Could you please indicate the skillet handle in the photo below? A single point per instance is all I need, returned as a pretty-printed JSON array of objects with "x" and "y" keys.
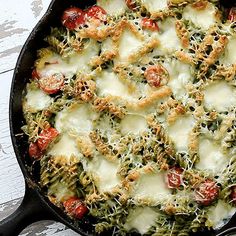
[{"x": 32, "y": 209}]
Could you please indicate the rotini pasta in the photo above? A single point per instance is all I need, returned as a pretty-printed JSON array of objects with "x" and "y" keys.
[{"x": 130, "y": 113}]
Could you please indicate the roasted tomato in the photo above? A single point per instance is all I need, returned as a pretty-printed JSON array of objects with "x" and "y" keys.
[
  {"x": 46, "y": 136},
  {"x": 149, "y": 24},
  {"x": 96, "y": 12},
  {"x": 206, "y": 192},
  {"x": 131, "y": 4},
  {"x": 232, "y": 14},
  {"x": 75, "y": 207},
  {"x": 156, "y": 76},
  {"x": 52, "y": 84},
  {"x": 34, "y": 151},
  {"x": 175, "y": 177},
  {"x": 73, "y": 17},
  {"x": 35, "y": 74},
  {"x": 233, "y": 194}
]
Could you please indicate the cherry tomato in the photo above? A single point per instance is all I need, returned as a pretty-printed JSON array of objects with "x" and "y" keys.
[
  {"x": 206, "y": 192},
  {"x": 34, "y": 151},
  {"x": 96, "y": 12},
  {"x": 175, "y": 177},
  {"x": 73, "y": 17},
  {"x": 75, "y": 207},
  {"x": 233, "y": 194},
  {"x": 149, "y": 24},
  {"x": 35, "y": 74},
  {"x": 156, "y": 76},
  {"x": 46, "y": 136},
  {"x": 52, "y": 84},
  {"x": 232, "y": 14},
  {"x": 131, "y": 4}
]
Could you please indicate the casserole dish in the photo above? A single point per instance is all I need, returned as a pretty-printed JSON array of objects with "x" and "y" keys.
[{"x": 35, "y": 206}]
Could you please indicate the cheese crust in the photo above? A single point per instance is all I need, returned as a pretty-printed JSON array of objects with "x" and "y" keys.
[{"x": 122, "y": 129}]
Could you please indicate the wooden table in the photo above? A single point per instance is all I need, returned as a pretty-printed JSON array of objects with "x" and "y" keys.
[{"x": 17, "y": 19}]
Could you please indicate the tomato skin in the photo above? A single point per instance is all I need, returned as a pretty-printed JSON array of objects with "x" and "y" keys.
[
  {"x": 73, "y": 17},
  {"x": 34, "y": 151},
  {"x": 51, "y": 84},
  {"x": 46, "y": 136},
  {"x": 175, "y": 177},
  {"x": 75, "y": 207},
  {"x": 149, "y": 24},
  {"x": 206, "y": 192},
  {"x": 35, "y": 74},
  {"x": 156, "y": 76},
  {"x": 130, "y": 4},
  {"x": 96, "y": 12},
  {"x": 232, "y": 14}
]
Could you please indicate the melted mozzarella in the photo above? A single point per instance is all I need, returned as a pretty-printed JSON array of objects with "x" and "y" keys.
[
  {"x": 113, "y": 7},
  {"x": 109, "y": 84},
  {"x": 152, "y": 187},
  {"x": 128, "y": 44},
  {"x": 104, "y": 172},
  {"x": 141, "y": 219},
  {"x": 60, "y": 191},
  {"x": 65, "y": 147},
  {"x": 219, "y": 215},
  {"x": 180, "y": 76},
  {"x": 155, "y": 5},
  {"x": 107, "y": 45},
  {"x": 219, "y": 96},
  {"x": 78, "y": 61},
  {"x": 77, "y": 118},
  {"x": 168, "y": 38},
  {"x": 179, "y": 132},
  {"x": 134, "y": 124},
  {"x": 37, "y": 100},
  {"x": 229, "y": 57},
  {"x": 201, "y": 18},
  {"x": 211, "y": 157}
]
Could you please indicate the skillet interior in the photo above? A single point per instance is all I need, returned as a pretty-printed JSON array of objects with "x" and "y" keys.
[{"x": 21, "y": 77}]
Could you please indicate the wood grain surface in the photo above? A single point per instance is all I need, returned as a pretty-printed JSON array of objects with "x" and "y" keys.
[{"x": 17, "y": 19}]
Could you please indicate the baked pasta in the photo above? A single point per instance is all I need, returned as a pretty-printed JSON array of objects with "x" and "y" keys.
[{"x": 130, "y": 112}]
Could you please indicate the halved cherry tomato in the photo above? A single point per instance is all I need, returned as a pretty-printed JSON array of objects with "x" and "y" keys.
[
  {"x": 75, "y": 207},
  {"x": 175, "y": 177},
  {"x": 73, "y": 17},
  {"x": 232, "y": 14},
  {"x": 131, "y": 4},
  {"x": 156, "y": 76},
  {"x": 96, "y": 12},
  {"x": 51, "y": 84},
  {"x": 34, "y": 151},
  {"x": 233, "y": 194},
  {"x": 149, "y": 24},
  {"x": 206, "y": 192},
  {"x": 46, "y": 136},
  {"x": 35, "y": 74}
]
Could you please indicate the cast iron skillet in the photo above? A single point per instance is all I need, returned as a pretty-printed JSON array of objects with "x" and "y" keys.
[{"x": 35, "y": 205}]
